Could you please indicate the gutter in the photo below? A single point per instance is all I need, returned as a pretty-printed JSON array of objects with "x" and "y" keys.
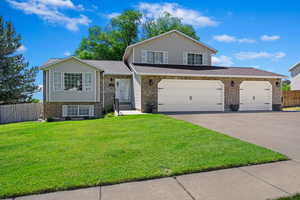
[{"x": 221, "y": 76}]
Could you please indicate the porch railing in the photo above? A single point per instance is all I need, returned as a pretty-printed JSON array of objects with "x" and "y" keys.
[{"x": 116, "y": 106}]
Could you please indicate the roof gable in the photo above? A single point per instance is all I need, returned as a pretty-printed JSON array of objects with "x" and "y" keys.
[
  {"x": 294, "y": 66},
  {"x": 53, "y": 62},
  {"x": 129, "y": 48}
]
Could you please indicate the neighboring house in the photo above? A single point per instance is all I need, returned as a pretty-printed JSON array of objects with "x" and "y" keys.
[
  {"x": 167, "y": 73},
  {"x": 295, "y": 74}
]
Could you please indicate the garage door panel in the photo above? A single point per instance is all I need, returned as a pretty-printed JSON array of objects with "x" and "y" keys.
[
  {"x": 190, "y": 95},
  {"x": 255, "y": 95}
]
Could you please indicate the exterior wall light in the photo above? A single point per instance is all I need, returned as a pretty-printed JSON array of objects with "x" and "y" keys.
[
  {"x": 277, "y": 84},
  {"x": 150, "y": 82},
  {"x": 232, "y": 83}
]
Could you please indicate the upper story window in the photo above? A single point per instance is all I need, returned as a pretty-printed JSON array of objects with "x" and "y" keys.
[
  {"x": 155, "y": 57},
  {"x": 73, "y": 81},
  {"x": 194, "y": 59}
]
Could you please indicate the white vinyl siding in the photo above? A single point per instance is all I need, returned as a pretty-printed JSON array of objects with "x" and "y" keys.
[
  {"x": 78, "y": 110},
  {"x": 57, "y": 80},
  {"x": 175, "y": 46},
  {"x": 295, "y": 80},
  {"x": 88, "y": 93}
]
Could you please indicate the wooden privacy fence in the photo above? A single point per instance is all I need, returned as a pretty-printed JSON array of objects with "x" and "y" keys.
[
  {"x": 20, "y": 112},
  {"x": 291, "y": 98}
]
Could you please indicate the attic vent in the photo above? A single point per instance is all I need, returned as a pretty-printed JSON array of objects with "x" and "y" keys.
[{"x": 173, "y": 35}]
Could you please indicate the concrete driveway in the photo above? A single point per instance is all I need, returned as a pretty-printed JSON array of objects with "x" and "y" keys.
[{"x": 279, "y": 131}]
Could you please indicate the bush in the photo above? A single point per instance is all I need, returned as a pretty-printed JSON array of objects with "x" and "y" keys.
[
  {"x": 234, "y": 107},
  {"x": 109, "y": 115},
  {"x": 50, "y": 119},
  {"x": 67, "y": 118}
]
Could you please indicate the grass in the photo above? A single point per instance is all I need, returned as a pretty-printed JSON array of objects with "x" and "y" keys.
[
  {"x": 294, "y": 197},
  {"x": 291, "y": 109},
  {"x": 40, "y": 157}
]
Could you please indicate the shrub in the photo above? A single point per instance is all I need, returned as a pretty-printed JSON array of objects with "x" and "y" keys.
[
  {"x": 234, "y": 107},
  {"x": 50, "y": 119},
  {"x": 109, "y": 115}
]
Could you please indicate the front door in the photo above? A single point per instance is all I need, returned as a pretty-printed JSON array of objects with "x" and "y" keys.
[{"x": 123, "y": 90}]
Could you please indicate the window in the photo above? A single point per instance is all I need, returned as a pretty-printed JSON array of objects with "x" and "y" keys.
[
  {"x": 78, "y": 110},
  {"x": 194, "y": 59},
  {"x": 72, "y": 110},
  {"x": 88, "y": 81},
  {"x": 84, "y": 110},
  {"x": 73, "y": 81},
  {"x": 155, "y": 57}
]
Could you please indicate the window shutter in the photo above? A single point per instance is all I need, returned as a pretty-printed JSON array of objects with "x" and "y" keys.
[
  {"x": 88, "y": 81},
  {"x": 185, "y": 58},
  {"x": 144, "y": 56},
  {"x": 166, "y": 59},
  {"x": 64, "y": 110},
  {"x": 91, "y": 112},
  {"x": 57, "y": 79}
]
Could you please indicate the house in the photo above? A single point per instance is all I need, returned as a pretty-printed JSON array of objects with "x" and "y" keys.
[
  {"x": 295, "y": 74},
  {"x": 168, "y": 73}
]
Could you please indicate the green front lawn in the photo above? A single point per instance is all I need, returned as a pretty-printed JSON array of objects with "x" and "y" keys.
[
  {"x": 38, "y": 157},
  {"x": 295, "y": 197}
]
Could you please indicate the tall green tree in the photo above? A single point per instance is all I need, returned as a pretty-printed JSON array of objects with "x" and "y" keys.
[
  {"x": 165, "y": 23},
  {"x": 111, "y": 43},
  {"x": 16, "y": 78}
]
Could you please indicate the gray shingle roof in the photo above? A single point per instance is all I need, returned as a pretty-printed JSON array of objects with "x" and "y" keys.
[
  {"x": 108, "y": 66},
  {"x": 163, "y": 69}
]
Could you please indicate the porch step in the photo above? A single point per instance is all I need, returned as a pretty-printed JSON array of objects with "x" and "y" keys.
[
  {"x": 130, "y": 112},
  {"x": 125, "y": 106}
]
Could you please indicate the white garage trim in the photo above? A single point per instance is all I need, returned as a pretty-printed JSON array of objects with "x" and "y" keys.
[
  {"x": 255, "y": 95},
  {"x": 190, "y": 95}
]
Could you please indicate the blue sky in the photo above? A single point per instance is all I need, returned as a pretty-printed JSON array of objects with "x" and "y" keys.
[{"x": 262, "y": 34}]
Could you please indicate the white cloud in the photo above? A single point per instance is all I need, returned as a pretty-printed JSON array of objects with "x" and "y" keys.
[
  {"x": 67, "y": 53},
  {"x": 224, "y": 38},
  {"x": 222, "y": 60},
  {"x": 270, "y": 37},
  {"x": 229, "y": 38},
  {"x": 188, "y": 16},
  {"x": 256, "y": 55},
  {"x": 112, "y": 15},
  {"x": 21, "y": 49},
  {"x": 48, "y": 10},
  {"x": 246, "y": 40}
]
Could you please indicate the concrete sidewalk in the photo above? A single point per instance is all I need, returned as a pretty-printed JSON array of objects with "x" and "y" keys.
[{"x": 259, "y": 182}]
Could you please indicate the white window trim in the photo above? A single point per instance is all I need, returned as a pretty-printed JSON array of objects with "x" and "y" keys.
[
  {"x": 65, "y": 111},
  {"x": 165, "y": 56},
  {"x": 83, "y": 82},
  {"x": 185, "y": 57}
]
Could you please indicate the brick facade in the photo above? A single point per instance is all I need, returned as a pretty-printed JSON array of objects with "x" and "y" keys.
[
  {"x": 231, "y": 93},
  {"x": 54, "y": 109}
]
